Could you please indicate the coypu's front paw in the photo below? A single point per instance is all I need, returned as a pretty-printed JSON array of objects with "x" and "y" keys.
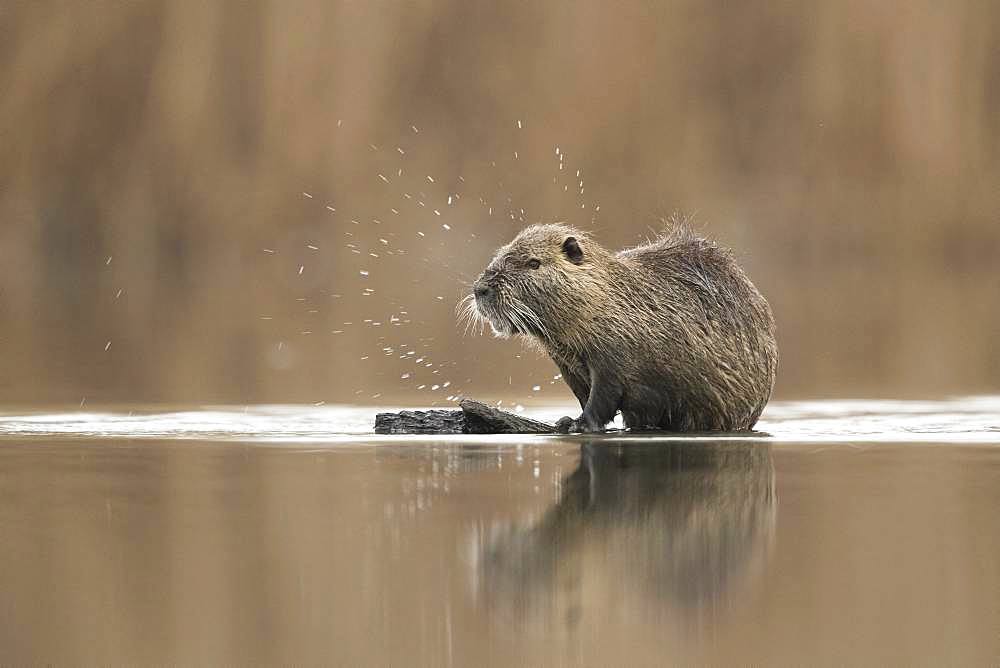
[{"x": 567, "y": 425}]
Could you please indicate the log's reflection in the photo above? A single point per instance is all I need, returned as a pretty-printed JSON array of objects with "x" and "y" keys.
[{"x": 671, "y": 525}]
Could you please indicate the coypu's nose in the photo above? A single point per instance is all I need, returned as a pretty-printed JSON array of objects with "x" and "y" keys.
[{"x": 483, "y": 291}]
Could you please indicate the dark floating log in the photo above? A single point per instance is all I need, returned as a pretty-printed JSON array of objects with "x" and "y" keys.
[
  {"x": 420, "y": 422},
  {"x": 482, "y": 419},
  {"x": 474, "y": 418}
]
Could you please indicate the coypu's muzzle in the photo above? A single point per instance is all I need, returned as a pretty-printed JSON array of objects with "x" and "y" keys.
[
  {"x": 496, "y": 299},
  {"x": 487, "y": 305},
  {"x": 485, "y": 293},
  {"x": 490, "y": 306}
]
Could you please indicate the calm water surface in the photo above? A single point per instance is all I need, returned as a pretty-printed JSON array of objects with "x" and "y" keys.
[{"x": 857, "y": 532}]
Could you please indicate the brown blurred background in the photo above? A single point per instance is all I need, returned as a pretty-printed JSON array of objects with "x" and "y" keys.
[{"x": 201, "y": 186}]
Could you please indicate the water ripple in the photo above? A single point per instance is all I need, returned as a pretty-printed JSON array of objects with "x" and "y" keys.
[{"x": 959, "y": 420}]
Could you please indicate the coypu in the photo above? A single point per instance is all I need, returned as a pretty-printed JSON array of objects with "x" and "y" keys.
[{"x": 671, "y": 333}]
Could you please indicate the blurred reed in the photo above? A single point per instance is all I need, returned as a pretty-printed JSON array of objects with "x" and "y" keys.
[{"x": 156, "y": 243}]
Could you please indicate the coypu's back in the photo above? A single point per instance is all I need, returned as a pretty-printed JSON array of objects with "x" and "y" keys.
[{"x": 718, "y": 328}]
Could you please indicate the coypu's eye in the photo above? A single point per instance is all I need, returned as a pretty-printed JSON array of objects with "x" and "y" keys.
[{"x": 534, "y": 263}]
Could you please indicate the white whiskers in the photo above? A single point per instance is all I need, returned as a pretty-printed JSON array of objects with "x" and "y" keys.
[
  {"x": 469, "y": 315},
  {"x": 508, "y": 316}
]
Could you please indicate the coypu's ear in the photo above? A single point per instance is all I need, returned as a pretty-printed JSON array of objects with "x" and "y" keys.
[{"x": 572, "y": 250}]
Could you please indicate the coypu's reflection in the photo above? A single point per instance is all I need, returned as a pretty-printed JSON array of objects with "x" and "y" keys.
[{"x": 676, "y": 524}]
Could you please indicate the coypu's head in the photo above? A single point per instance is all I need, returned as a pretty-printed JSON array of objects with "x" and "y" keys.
[{"x": 532, "y": 285}]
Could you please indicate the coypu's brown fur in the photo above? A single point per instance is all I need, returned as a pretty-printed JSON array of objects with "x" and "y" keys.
[{"x": 671, "y": 333}]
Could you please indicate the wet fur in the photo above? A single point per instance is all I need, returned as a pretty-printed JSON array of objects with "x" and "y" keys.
[{"x": 672, "y": 333}]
